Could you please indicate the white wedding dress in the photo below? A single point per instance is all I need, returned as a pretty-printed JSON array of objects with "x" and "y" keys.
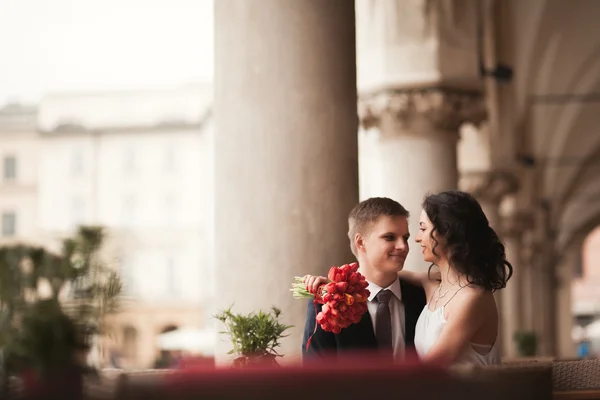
[{"x": 429, "y": 327}]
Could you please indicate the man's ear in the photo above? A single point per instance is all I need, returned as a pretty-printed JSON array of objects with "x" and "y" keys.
[{"x": 359, "y": 242}]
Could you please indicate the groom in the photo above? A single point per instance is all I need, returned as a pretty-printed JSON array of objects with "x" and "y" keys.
[{"x": 378, "y": 232}]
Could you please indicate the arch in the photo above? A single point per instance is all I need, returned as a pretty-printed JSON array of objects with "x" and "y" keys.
[
  {"x": 576, "y": 178},
  {"x": 584, "y": 287},
  {"x": 584, "y": 187},
  {"x": 574, "y": 231},
  {"x": 544, "y": 57},
  {"x": 560, "y": 118},
  {"x": 538, "y": 20},
  {"x": 590, "y": 239},
  {"x": 551, "y": 63},
  {"x": 529, "y": 45},
  {"x": 542, "y": 82},
  {"x": 573, "y": 121},
  {"x": 545, "y": 66}
]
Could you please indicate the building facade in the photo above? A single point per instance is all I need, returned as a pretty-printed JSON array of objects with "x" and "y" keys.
[
  {"x": 139, "y": 164},
  {"x": 19, "y": 151}
]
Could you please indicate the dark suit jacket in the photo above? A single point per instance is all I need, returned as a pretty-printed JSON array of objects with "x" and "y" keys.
[{"x": 360, "y": 337}]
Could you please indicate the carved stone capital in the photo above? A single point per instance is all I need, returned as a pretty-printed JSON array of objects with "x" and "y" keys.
[
  {"x": 514, "y": 225},
  {"x": 489, "y": 186},
  {"x": 445, "y": 109}
]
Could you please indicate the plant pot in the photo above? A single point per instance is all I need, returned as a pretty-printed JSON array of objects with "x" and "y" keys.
[{"x": 255, "y": 360}]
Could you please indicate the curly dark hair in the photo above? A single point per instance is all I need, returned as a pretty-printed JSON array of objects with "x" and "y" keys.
[{"x": 471, "y": 245}]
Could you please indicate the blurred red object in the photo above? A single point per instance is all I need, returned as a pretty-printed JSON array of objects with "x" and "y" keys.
[{"x": 346, "y": 377}]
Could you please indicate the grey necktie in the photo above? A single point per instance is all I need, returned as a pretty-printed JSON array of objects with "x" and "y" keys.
[{"x": 383, "y": 320}]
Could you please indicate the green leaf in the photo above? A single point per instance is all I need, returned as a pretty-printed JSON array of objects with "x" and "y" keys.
[
  {"x": 42, "y": 333},
  {"x": 256, "y": 333}
]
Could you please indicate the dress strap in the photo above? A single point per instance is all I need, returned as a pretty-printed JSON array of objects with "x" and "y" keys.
[{"x": 455, "y": 293}]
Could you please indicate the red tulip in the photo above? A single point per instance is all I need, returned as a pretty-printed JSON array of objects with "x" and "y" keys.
[{"x": 341, "y": 287}]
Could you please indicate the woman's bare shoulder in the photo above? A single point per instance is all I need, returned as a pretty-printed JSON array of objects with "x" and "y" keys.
[
  {"x": 470, "y": 293},
  {"x": 474, "y": 299}
]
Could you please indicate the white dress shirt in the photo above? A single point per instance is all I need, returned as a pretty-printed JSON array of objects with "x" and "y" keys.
[{"x": 396, "y": 311}]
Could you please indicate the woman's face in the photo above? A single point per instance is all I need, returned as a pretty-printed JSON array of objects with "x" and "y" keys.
[{"x": 425, "y": 240}]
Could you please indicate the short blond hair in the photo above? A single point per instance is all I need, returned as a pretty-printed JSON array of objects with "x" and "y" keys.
[{"x": 368, "y": 211}]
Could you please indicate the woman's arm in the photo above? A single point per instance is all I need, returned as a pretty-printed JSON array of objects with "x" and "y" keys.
[
  {"x": 422, "y": 279},
  {"x": 414, "y": 278},
  {"x": 466, "y": 319}
]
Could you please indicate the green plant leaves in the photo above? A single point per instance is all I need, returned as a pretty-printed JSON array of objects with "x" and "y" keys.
[
  {"x": 255, "y": 333},
  {"x": 44, "y": 331}
]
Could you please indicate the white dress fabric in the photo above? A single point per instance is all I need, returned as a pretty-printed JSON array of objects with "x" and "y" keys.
[{"x": 429, "y": 327}]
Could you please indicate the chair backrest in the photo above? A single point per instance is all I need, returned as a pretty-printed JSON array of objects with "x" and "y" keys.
[
  {"x": 576, "y": 375},
  {"x": 342, "y": 382},
  {"x": 530, "y": 380}
]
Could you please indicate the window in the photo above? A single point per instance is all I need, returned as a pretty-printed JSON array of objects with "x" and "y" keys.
[
  {"x": 9, "y": 224},
  {"x": 10, "y": 168}
]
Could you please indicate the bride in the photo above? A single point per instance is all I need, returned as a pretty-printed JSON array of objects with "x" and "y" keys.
[{"x": 459, "y": 323}]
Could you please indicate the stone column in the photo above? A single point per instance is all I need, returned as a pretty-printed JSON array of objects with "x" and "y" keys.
[
  {"x": 538, "y": 298},
  {"x": 528, "y": 284},
  {"x": 543, "y": 283},
  {"x": 547, "y": 310},
  {"x": 547, "y": 268},
  {"x": 417, "y": 131},
  {"x": 286, "y": 172},
  {"x": 512, "y": 227},
  {"x": 565, "y": 346}
]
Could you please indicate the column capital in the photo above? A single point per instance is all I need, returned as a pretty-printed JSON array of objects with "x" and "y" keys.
[
  {"x": 446, "y": 109},
  {"x": 515, "y": 224},
  {"x": 489, "y": 186}
]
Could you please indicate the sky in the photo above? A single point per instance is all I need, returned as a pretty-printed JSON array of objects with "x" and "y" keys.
[{"x": 82, "y": 45}]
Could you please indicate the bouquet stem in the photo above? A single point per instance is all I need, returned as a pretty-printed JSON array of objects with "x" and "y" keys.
[{"x": 299, "y": 290}]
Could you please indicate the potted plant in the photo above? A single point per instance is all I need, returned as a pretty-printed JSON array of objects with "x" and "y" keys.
[
  {"x": 43, "y": 352},
  {"x": 45, "y": 335},
  {"x": 526, "y": 343},
  {"x": 254, "y": 336}
]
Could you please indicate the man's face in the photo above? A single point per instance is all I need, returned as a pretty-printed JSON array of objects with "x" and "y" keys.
[{"x": 385, "y": 243}]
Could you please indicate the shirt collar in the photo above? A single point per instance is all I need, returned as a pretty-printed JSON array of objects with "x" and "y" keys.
[{"x": 374, "y": 289}]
